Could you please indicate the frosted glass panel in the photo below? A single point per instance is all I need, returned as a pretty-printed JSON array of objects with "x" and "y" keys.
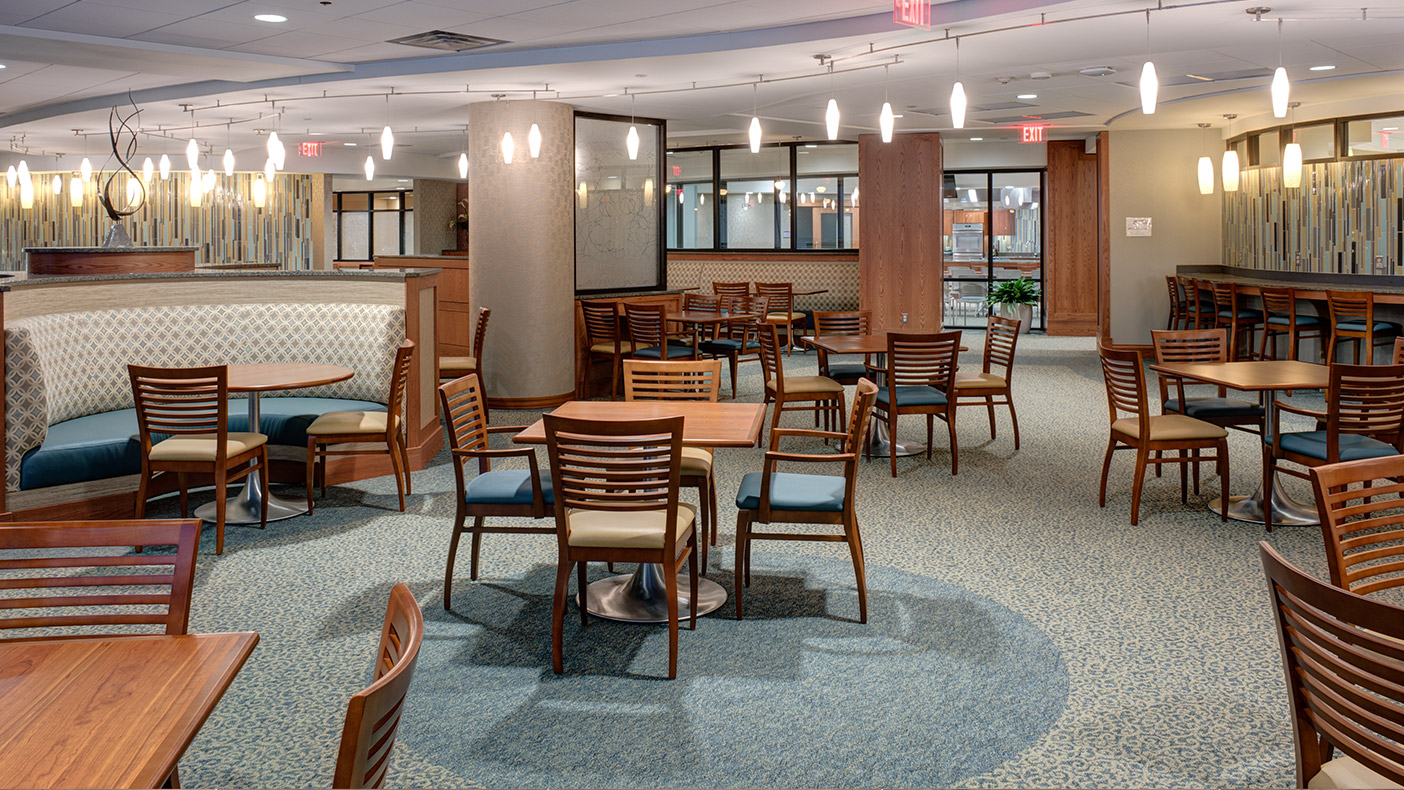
[
  {"x": 387, "y": 233},
  {"x": 617, "y": 229},
  {"x": 409, "y": 233},
  {"x": 355, "y": 236}
]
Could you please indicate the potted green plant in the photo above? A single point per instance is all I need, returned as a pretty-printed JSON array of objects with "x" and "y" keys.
[
  {"x": 1015, "y": 299},
  {"x": 461, "y": 221}
]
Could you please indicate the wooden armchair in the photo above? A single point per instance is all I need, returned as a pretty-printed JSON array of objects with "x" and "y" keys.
[
  {"x": 782, "y": 310},
  {"x": 817, "y": 394},
  {"x": 737, "y": 340},
  {"x": 1363, "y": 526},
  {"x": 605, "y": 341},
  {"x": 731, "y": 290},
  {"x": 972, "y": 389},
  {"x": 844, "y": 322},
  {"x": 648, "y": 334},
  {"x": 457, "y": 367},
  {"x": 920, "y": 379},
  {"x": 770, "y": 497}
]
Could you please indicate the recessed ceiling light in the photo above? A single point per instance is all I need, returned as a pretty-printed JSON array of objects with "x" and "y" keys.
[
  {"x": 810, "y": 145},
  {"x": 2, "y": 65},
  {"x": 315, "y": 134},
  {"x": 1390, "y": 129},
  {"x": 270, "y": 17},
  {"x": 1323, "y": 68},
  {"x": 1028, "y": 96},
  {"x": 352, "y": 145},
  {"x": 976, "y": 139},
  {"x": 404, "y": 180}
]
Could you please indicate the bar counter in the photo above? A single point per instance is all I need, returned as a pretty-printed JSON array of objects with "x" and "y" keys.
[{"x": 1313, "y": 286}]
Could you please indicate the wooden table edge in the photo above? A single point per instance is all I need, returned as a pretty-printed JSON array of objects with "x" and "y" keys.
[
  {"x": 757, "y": 420},
  {"x": 348, "y": 373},
  {"x": 1169, "y": 369}
]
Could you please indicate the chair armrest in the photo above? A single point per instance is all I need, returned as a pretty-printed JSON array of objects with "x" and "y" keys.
[
  {"x": 506, "y": 428},
  {"x": 807, "y": 458},
  {"x": 1304, "y": 412},
  {"x": 810, "y": 432},
  {"x": 525, "y": 451}
]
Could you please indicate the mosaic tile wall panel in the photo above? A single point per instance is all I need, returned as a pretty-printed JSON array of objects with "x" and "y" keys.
[
  {"x": 1344, "y": 219},
  {"x": 226, "y": 228}
]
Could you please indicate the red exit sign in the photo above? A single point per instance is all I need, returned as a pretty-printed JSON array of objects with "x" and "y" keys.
[
  {"x": 1031, "y": 134},
  {"x": 912, "y": 13},
  {"x": 309, "y": 148}
]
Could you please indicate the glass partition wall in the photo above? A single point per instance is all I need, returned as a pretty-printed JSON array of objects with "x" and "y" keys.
[{"x": 993, "y": 232}]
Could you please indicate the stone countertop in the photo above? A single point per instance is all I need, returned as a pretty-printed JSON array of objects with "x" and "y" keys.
[
  {"x": 630, "y": 292},
  {"x": 113, "y": 250},
  {"x": 13, "y": 280},
  {"x": 433, "y": 255}
]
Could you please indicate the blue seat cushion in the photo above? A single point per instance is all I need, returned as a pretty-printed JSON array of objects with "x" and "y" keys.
[
  {"x": 1354, "y": 446},
  {"x": 727, "y": 345},
  {"x": 849, "y": 371},
  {"x": 914, "y": 396},
  {"x": 1242, "y": 314},
  {"x": 674, "y": 352},
  {"x": 507, "y": 487},
  {"x": 789, "y": 491},
  {"x": 1216, "y": 407},
  {"x": 1381, "y": 327},
  {"x": 1302, "y": 320},
  {"x": 285, "y": 420}
]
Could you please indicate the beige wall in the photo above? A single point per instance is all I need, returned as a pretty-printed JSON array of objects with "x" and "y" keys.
[{"x": 1153, "y": 174}]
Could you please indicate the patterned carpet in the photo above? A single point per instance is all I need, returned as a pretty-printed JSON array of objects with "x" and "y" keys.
[{"x": 1019, "y": 636}]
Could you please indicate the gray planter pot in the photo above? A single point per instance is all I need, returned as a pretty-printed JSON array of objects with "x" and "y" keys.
[{"x": 1023, "y": 313}]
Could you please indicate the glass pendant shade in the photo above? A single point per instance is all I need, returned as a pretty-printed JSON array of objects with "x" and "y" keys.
[
  {"x": 11, "y": 176},
  {"x": 1292, "y": 166},
  {"x": 192, "y": 154},
  {"x": 462, "y": 165},
  {"x": 207, "y": 180},
  {"x": 197, "y": 194},
  {"x": 755, "y": 134},
  {"x": 272, "y": 145},
  {"x": 165, "y": 167},
  {"x": 75, "y": 192},
  {"x": 886, "y": 121},
  {"x": 86, "y": 169},
  {"x": 702, "y": 199},
  {"x": 1150, "y": 88},
  {"x": 958, "y": 104},
  {"x": 260, "y": 193},
  {"x": 280, "y": 155},
  {"x": 1229, "y": 171},
  {"x": 269, "y": 170},
  {"x": 508, "y": 147},
  {"x": 631, "y": 143},
  {"x": 133, "y": 191},
  {"x": 147, "y": 169},
  {"x": 370, "y": 167},
  {"x": 1206, "y": 176},
  {"x": 1281, "y": 91},
  {"x": 648, "y": 191},
  {"x": 26, "y": 193},
  {"x": 23, "y": 171},
  {"x": 58, "y": 184},
  {"x": 387, "y": 143},
  {"x": 831, "y": 119},
  {"x": 534, "y": 141},
  {"x": 228, "y": 162},
  {"x": 783, "y": 198}
]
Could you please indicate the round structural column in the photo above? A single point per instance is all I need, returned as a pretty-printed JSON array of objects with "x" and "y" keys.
[{"x": 521, "y": 250}]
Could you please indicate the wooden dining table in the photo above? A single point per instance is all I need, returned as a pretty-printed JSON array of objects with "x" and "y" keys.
[
  {"x": 641, "y": 596},
  {"x": 1269, "y": 377},
  {"x": 115, "y": 711}
]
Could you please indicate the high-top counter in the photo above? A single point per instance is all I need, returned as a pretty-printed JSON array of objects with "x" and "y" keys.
[
  {"x": 108, "y": 260},
  {"x": 1312, "y": 286}
]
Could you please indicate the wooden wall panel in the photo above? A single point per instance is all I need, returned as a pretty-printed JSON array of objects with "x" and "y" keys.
[
  {"x": 899, "y": 263},
  {"x": 1071, "y": 272}
]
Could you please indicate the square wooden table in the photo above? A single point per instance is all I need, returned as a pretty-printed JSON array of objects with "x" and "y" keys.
[
  {"x": 110, "y": 711},
  {"x": 641, "y": 597},
  {"x": 1268, "y": 376}
]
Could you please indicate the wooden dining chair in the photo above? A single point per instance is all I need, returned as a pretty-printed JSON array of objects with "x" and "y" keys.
[
  {"x": 361, "y": 428},
  {"x": 503, "y": 493},
  {"x": 648, "y": 334},
  {"x": 1362, "y": 522},
  {"x": 1148, "y": 435},
  {"x": 920, "y": 379},
  {"x": 771, "y": 497},
  {"x": 701, "y": 303},
  {"x": 617, "y": 501},
  {"x": 373, "y": 715},
  {"x": 93, "y": 554},
  {"x": 1352, "y": 317},
  {"x": 451, "y": 367},
  {"x": 1178, "y": 315},
  {"x": 782, "y": 310},
  {"x": 737, "y": 339},
  {"x": 191, "y": 407},
  {"x": 731, "y": 290},
  {"x": 985, "y": 387},
  {"x": 605, "y": 340},
  {"x": 817, "y": 394},
  {"x": 1282, "y": 318},
  {"x": 1343, "y": 656},
  {"x": 843, "y": 322},
  {"x": 1364, "y": 418},
  {"x": 1237, "y": 319},
  {"x": 1199, "y": 302},
  {"x": 683, "y": 381}
]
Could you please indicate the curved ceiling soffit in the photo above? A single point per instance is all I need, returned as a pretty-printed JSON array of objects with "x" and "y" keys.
[{"x": 942, "y": 15}]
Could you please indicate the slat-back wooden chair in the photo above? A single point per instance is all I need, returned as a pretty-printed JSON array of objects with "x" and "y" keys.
[
  {"x": 360, "y": 428},
  {"x": 972, "y": 389},
  {"x": 920, "y": 379},
  {"x": 1199, "y": 302},
  {"x": 782, "y": 310},
  {"x": 1343, "y": 658},
  {"x": 648, "y": 334},
  {"x": 191, "y": 406},
  {"x": 373, "y": 715},
  {"x": 1125, "y": 380},
  {"x": 617, "y": 501},
  {"x": 737, "y": 340},
  {"x": 1352, "y": 317},
  {"x": 1363, "y": 526},
  {"x": 1282, "y": 318},
  {"x": 701, "y": 303},
  {"x": 1364, "y": 418},
  {"x": 731, "y": 290},
  {"x": 606, "y": 340},
  {"x": 508, "y": 493},
  {"x": 453, "y": 367},
  {"x": 1179, "y": 310},
  {"x": 771, "y": 497},
  {"x": 817, "y": 394},
  {"x": 116, "y": 585},
  {"x": 843, "y": 322},
  {"x": 690, "y": 381},
  {"x": 1237, "y": 319}
]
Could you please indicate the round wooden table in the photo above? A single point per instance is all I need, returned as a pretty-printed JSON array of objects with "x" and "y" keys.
[{"x": 256, "y": 379}]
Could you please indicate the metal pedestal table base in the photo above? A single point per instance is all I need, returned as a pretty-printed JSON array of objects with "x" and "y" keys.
[
  {"x": 1286, "y": 511},
  {"x": 242, "y": 508},
  {"x": 878, "y": 442},
  {"x": 641, "y": 597}
]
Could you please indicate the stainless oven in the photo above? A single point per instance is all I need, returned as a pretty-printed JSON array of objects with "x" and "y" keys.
[{"x": 968, "y": 238}]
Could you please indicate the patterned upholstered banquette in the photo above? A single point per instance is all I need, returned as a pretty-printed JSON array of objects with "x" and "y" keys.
[{"x": 65, "y": 367}]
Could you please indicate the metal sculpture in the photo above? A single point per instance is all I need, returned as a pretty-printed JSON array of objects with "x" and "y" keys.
[{"x": 123, "y": 136}]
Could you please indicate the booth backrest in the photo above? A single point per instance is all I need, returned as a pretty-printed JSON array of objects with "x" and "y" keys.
[
  {"x": 840, "y": 278},
  {"x": 67, "y": 365}
]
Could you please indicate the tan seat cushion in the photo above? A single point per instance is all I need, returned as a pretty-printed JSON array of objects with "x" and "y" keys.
[
  {"x": 696, "y": 461},
  {"x": 625, "y": 346},
  {"x": 204, "y": 446},
  {"x": 334, "y": 422},
  {"x": 460, "y": 365},
  {"x": 612, "y": 529},
  {"x": 781, "y": 316},
  {"x": 1170, "y": 428},
  {"x": 1347, "y": 772},
  {"x": 979, "y": 381},
  {"x": 800, "y": 384}
]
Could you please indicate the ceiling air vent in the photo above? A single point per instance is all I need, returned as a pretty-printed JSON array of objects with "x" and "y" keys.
[{"x": 446, "y": 41}]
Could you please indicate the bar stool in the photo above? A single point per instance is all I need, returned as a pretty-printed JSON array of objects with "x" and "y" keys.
[
  {"x": 1199, "y": 304},
  {"x": 1179, "y": 311},
  {"x": 1237, "y": 320},
  {"x": 1280, "y": 310},
  {"x": 1353, "y": 318}
]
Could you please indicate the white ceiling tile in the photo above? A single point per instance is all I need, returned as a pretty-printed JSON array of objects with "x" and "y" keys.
[
  {"x": 208, "y": 32},
  {"x": 100, "y": 19},
  {"x": 363, "y": 30},
  {"x": 13, "y": 12},
  {"x": 424, "y": 16},
  {"x": 297, "y": 44},
  {"x": 183, "y": 8}
]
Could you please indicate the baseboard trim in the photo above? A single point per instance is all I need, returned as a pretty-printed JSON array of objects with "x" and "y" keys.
[{"x": 544, "y": 402}]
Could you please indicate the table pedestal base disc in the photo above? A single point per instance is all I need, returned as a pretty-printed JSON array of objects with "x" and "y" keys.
[
  {"x": 878, "y": 442},
  {"x": 640, "y": 597},
  {"x": 242, "y": 508},
  {"x": 1286, "y": 511}
]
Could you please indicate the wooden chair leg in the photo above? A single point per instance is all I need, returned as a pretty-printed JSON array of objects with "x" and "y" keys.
[
  {"x": 220, "y": 491},
  {"x": 452, "y": 556},
  {"x": 692, "y": 578},
  {"x": 1013, "y": 417},
  {"x": 1184, "y": 479},
  {"x": 173, "y": 781},
  {"x": 989, "y": 407},
  {"x": 855, "y": 547},
  {"x": 615, "y": 365},
  {"x": 311, "y": 469},
  {"x": 742, "y": 537},
  {"x": 558, "y": 607},
  {"x": 892, "y": 438},
  {"x": 403, "y": 442},
  {"x": 1106, "y": 468},
  {"x": 399, "y": 472},
  {"x": 703, "y": 510},
  {"x": 582, "y": 582},
  {"x": 712, "y": 493},
  {"x": 1136, "y": 486},
  {"x": 930, "y": 434},
  {"x": 139, "y": 509},
  {"x": 955, "y": 444},
  {"x": 732, "y": 360},
  {"x": 1224, "y": 480},
  {"x": 477, "y": 545},
  {"x": 184, "y": 495}
]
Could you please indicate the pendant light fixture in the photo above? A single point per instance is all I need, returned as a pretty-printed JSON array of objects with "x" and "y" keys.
[
  {"x": 886, "y": 119},
  {"x": 534, "y": 141},
  {"x": 86, "y": 169},
  {"x": 1229, "y": 170},
  {"x": 133, "y": 192},
  {"x": 197, "y": 191},
  {"x": 463, "y": 165},
  {"x": 387, "y": 137},
  {"x": 631, "y": 140},
  {"x": 1281, "y": 86},
  {"x": 26, "y": 193},
  {"x": 1150, "y": 84},
  {"x": 370, "y": 167},
  {"x": 269, "y": 170},
  {"x": 23, "y": 172},
  {"x": 229, "y": 161},
  {"x": 11, "y": 176},
  {"x": 958, "y": 102},
  {"x": 831, "y": 113},
  {"x": 165, "y": 167},
  {"x": 192, "y": 154},
  {"x": 507, "y": 148},
  {"x": 75, "y": 192},
  {"x": 260, "y": 192},
  {"x": 755, "y": 131},
  {"x": 1292, "y": 157},
  {"x": 1206, "y": 167},
  {"x": 147, "y": 169},
  {"x": 58, "y": 184}
]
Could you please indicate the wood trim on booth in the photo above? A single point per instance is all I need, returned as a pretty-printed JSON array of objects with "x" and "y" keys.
[{"x": 60, "y": 262}]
